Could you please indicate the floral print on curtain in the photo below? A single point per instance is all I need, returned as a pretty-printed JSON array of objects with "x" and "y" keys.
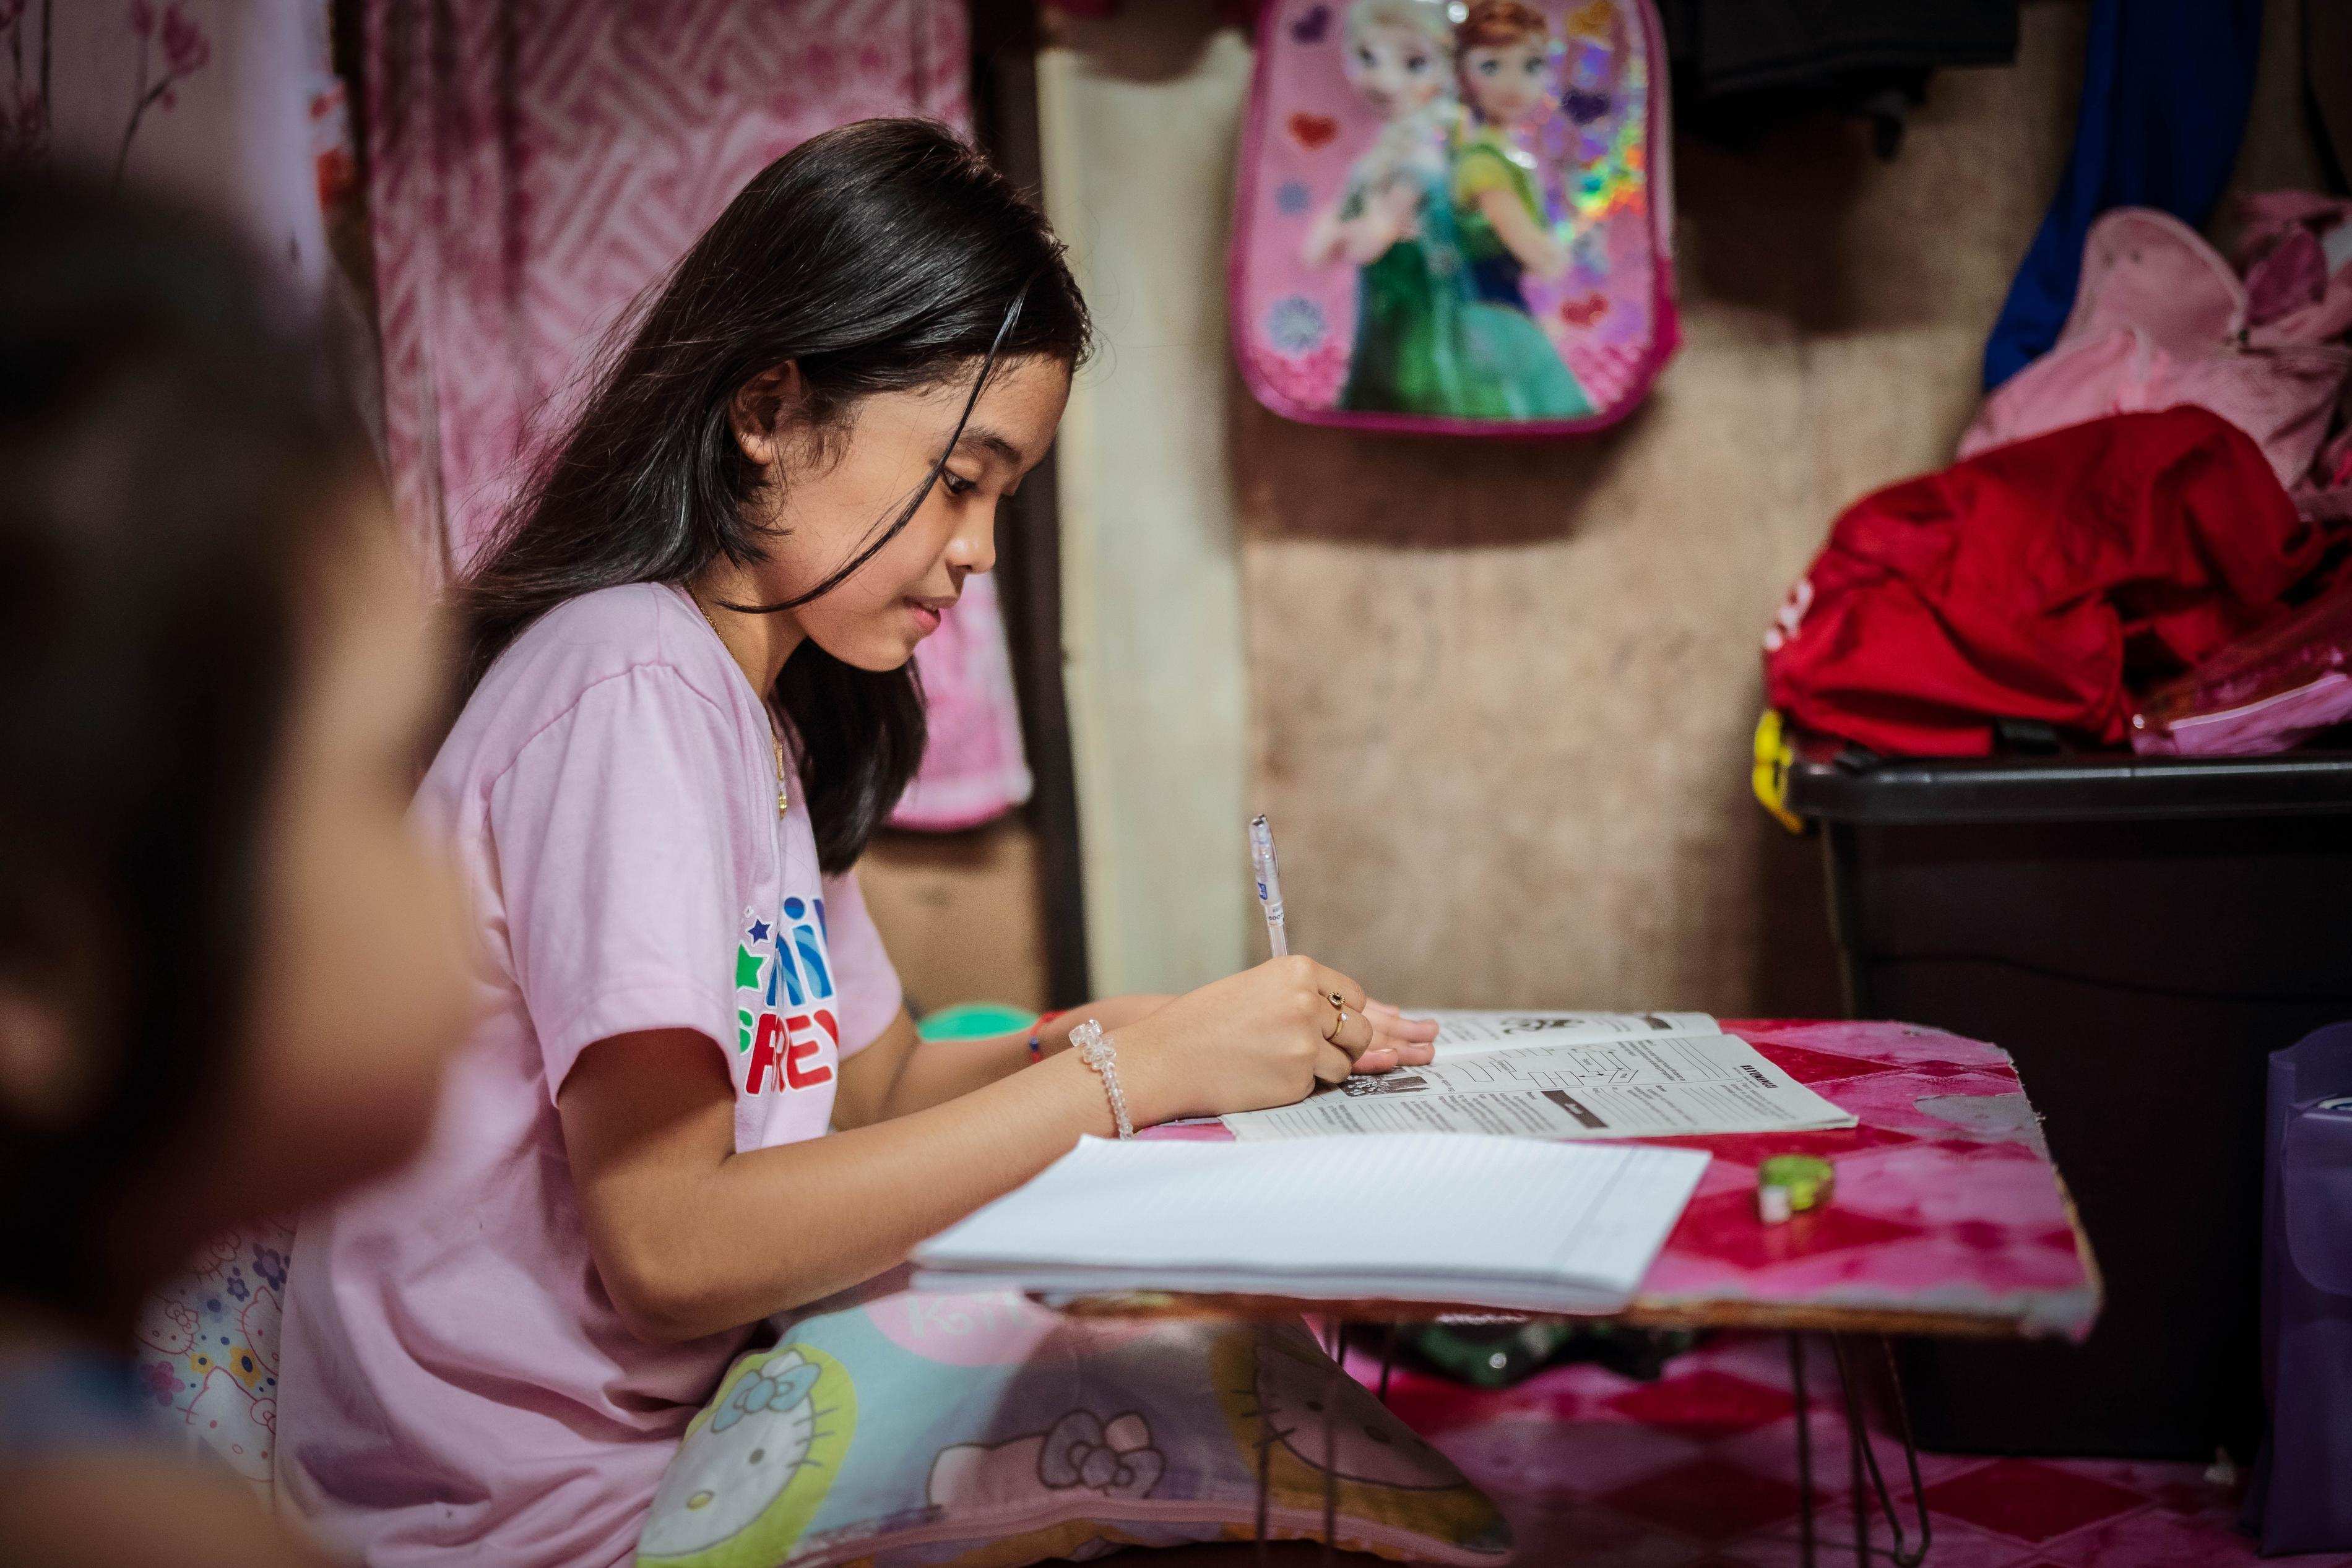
[{"x": 227, "y": 103}]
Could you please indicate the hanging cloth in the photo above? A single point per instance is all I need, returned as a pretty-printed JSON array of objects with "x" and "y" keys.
[
  {"x": 533, "y": 168},
  {"x": 2166, "y": 84}
]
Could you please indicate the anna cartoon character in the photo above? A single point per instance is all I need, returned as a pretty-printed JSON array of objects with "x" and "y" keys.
[
  {"x": 1392, "y": 221},
  {"x": 1502, "y": 56}
]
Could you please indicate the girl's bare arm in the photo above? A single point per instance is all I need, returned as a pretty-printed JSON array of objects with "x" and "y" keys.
[
  {"x": 900, "y": 1073},
  {"x": 1522, "y": 235},
  {"x": 690, "y": 1237}
]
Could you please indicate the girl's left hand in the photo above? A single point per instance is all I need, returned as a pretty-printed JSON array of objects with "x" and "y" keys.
[{"x": 1397, "y": 1040}]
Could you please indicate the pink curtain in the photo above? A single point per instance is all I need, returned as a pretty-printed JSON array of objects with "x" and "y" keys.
[{"x": 535, "y": 164}]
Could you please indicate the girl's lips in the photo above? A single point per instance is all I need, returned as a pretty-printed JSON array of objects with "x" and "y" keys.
[{"x": 926, "y": 617}]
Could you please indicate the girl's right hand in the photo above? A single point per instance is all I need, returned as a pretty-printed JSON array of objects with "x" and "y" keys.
[{"x": 1264, "y": 1037}]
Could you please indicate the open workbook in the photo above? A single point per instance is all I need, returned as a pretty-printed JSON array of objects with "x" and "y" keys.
[
  {"x": 1564, "y": 1076},
  {"x": 1503, "y": 1223}
]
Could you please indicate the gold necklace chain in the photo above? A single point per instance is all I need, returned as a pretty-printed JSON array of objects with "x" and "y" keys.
[{"x": 783, "y": 798}]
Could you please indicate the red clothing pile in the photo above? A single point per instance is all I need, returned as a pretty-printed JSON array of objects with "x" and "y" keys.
[{"x": 2038, "y": 581}]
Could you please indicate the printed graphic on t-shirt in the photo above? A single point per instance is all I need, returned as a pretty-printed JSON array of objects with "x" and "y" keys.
[{"x": 785, "y": 1017}]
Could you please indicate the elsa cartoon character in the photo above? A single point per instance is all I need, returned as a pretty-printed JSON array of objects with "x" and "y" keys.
[
  {"x": 1502, "y": 57},
  {"x": 1392, "y": 220}
]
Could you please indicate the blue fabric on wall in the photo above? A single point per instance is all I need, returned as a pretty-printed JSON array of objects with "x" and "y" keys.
[{"x": 2166, "y": 84}]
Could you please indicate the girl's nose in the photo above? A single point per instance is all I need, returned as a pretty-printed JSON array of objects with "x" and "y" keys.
[{"x": 973, "y": 547}]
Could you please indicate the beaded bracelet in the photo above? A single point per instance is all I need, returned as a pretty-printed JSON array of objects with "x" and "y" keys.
[{"x": 1095, "y": 1049}]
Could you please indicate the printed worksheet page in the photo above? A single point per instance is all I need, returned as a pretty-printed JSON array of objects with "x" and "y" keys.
[
  {"x": 1463, "y": 1033},
  {"x": 1555, "y": 1086}
]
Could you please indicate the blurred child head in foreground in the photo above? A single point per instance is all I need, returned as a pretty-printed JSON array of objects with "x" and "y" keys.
[{"x": 228, "y": 976}]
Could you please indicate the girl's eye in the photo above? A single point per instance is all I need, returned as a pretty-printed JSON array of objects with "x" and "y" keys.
[
  {"x": 1364, "y": 59},
  {"x": 1535, "y": 68},
  {"x": 958, "y": 485},
  {"x": 1417, "y": 64},
  {"x": 1488, "y": 67}
]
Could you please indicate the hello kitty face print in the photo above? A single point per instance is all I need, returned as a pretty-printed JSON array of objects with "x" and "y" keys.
[{"x": 756, "y": 1463}]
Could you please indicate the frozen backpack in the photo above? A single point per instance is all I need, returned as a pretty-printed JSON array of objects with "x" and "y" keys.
[
  {"x": 2161, "y": 318},
  {"x": 1455, "y": 217}
]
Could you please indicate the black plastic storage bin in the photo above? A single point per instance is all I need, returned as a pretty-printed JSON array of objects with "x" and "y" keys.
[{"x": 2139, "y": 933}]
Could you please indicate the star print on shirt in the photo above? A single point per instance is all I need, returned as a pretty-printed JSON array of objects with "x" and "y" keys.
[
  {"x": 747, "y": 968},
  {"x": 759, "y": 931}
]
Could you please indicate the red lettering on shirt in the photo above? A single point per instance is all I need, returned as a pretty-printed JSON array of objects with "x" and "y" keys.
[
  {"x": 765, "y": 1057},
  {"x": 799, "y": 1051}
]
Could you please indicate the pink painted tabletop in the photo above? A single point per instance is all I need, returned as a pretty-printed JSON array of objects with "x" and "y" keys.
[{"x": 1948, "y": 1215}]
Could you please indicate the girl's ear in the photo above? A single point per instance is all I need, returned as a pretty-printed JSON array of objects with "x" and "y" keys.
[
  {"x": 44, "y": 1080},
  {"x": 763, "y": 407}
]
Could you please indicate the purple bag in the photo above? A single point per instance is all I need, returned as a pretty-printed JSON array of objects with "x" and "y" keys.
[{"x": 2301, "y": 1499}]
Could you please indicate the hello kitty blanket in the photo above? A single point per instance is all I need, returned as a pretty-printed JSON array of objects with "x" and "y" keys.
[{"x": 917, "y": 1429}]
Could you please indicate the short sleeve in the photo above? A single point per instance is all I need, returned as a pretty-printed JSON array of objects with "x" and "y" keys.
[
  {"x": 867, "y": 982},
  {"x": 613, "y": 861},
  {"x": 1481, "y": 170}
]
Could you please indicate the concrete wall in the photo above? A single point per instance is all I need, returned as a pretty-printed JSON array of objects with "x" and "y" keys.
[{"x": 1138, "y": 120}]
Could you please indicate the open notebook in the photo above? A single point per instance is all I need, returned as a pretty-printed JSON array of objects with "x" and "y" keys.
[{"x": 1468, "y": 1220}]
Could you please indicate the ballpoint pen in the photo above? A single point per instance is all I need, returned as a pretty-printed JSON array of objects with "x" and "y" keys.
[{"x": 1269, "y": 885}]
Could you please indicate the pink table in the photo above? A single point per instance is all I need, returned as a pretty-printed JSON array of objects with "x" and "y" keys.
[{"x": 1948, "y": 1219}]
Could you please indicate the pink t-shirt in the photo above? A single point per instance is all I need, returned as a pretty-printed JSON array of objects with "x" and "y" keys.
[{"x": 456, "y": 1384}]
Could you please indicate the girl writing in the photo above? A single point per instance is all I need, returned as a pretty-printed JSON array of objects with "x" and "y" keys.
[{"x": 689, "y": 707}]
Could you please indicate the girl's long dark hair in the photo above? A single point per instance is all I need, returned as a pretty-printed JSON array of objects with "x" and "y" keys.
[{"x": 884, "y": 256}]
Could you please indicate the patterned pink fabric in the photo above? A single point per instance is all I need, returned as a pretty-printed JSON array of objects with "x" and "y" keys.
[
  {"x": 1946, "y": 1200},
  {"x": 237, "y": 109},
  {"x": 534, "y": 167},
  {"x": 2157, "y": 321},
  {"x": 1698, "y": 1469},
  {"x": 206, "y": 1351}
]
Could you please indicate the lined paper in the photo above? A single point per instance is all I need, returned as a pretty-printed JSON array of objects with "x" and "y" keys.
[{"x": 1465, "y": 1220}]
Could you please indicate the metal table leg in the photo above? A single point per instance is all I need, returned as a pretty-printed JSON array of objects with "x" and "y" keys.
[
  {"x": 1265, "y": 1441},
  {"x": 1331, "y": 1450},
  {"x": 1265, "y": 1455},
  {"x": 1804, "y": 1450},
  {"x": 1857, "y": 1449},
  {"x": 1903, "y": 1552}
]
